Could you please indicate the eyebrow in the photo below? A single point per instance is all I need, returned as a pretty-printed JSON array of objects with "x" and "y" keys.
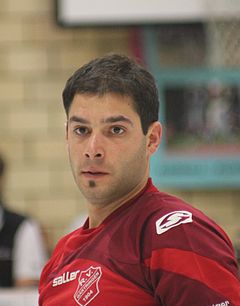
[
  {"x": 79, "y": 120},
  {"x": 120, "y": 118},
  {"x": 112, "y": 119}
]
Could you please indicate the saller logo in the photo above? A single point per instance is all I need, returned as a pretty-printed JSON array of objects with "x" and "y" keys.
[
  {"x": 226, "y": 303},
  {"x": 88, "y": 285},
  {"x": 172, "y": 219}
]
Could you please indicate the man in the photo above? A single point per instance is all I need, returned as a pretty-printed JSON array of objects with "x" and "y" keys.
[
  {"x": 22, "y": 253},
  {"x": 139, "y": 246}
]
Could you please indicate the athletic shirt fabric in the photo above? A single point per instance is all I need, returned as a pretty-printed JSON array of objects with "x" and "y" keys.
[
  {"x": 8, "y": 231},
  {"x": 153, "y": 250}
]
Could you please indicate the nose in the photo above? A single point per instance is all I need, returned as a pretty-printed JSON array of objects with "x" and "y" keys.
[{"x": 94, "y": 148}]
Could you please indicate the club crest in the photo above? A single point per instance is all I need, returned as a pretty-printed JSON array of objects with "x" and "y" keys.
[{"x": 88, "y": 285}]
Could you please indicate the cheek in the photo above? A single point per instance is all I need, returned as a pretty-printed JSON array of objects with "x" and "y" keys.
[
  {"x": 74, "y": 146},
  {"x": 75, "y": 154},
  {"x": 135, "y": 154}
]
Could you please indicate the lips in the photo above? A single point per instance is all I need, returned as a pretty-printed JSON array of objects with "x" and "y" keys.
[{"x": 94, "y": 173}]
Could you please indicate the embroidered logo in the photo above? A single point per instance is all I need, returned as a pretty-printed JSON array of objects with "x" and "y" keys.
[
  {"x": 172, "y": 219},
  {"x": 226, "y": 303},
  {"x": 65, "y": 278},
  {"x": 88, "y": 285}
]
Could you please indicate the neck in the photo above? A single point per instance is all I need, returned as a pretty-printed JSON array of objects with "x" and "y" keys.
[{"x": 97, "y": 214}]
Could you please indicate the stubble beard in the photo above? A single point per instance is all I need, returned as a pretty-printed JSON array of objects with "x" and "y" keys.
[
  {"x": 96, "y": 194},
  {"x": 117, "y": 189}
]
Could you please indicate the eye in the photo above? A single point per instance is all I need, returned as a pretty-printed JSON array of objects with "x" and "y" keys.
[
  {"x": 117, "y": 130},
  {"x": 81, "y": 130}
]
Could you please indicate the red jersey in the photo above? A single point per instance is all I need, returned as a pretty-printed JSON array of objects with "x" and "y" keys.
[{"x": 153, "y": 250}]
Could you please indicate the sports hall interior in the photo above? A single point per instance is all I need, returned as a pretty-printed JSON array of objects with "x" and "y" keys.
[{"x": 38, "y": 54}]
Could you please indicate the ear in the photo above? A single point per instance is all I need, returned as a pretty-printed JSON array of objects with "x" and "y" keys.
[{"x": 154, "y": 136}]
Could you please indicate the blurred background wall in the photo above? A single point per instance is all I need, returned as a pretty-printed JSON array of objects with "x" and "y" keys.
[{"x": 36, "y": 58}]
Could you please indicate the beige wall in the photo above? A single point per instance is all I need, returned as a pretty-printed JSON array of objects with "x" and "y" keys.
[{"x": 36, "y": 57}]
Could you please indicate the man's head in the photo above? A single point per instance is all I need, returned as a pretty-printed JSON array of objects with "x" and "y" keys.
[
  {"x": 112, "y": 128},
  {"x": 116, "y": 74}
]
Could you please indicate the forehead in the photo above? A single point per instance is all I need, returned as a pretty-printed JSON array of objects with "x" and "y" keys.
[{"x": 94, "y": 106}]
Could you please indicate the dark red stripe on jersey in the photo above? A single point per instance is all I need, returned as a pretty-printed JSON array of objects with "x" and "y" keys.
[{"x": 194, "y": 266}]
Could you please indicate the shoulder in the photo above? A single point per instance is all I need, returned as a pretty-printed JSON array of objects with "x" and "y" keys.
[
  {"x": 172, "y": 225},
  {"x": 61, "y": 243},
  {"x": 57, "y": 252},
  {"x": 167, "y": 215},
  {"x": 165, "y": 211},
  {"x": 63, "y": 247},
  {"x": 178, "y": 239},
  {"x": 164, "y": 220},
  {"x": 162, "y": 211}
]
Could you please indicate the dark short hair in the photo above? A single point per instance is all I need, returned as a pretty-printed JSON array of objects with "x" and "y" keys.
[
  {"x": 2, "y": 166},
  {"x": 116, "y": 74}
]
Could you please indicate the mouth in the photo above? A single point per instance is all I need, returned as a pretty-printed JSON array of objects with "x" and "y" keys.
[{"x": 94, "y": 174}]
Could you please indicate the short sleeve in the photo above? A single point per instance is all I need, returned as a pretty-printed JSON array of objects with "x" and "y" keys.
[{"x": 189, "y": 260}]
